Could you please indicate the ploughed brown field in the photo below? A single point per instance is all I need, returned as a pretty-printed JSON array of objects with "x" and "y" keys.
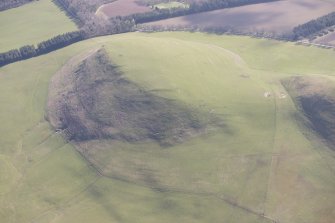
[
  {"x": 122, "y": 8},
  {"x": 280, "y": 16}
]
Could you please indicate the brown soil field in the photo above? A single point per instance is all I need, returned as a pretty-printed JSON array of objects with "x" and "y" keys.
[
  {"x": 121, "y": 8},
  {"x": 280, "y": 16}
]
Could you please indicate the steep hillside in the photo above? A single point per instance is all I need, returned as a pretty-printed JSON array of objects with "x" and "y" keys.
[
  {"x": 315, "y": 97},
  {"x": 93, "y": 100}
]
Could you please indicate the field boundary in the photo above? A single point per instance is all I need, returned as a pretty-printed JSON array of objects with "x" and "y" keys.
[
  {"x": 10, "y": 5},
  {"x": 14, "y": 55}
]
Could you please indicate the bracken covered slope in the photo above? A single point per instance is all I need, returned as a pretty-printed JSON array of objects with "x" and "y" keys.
[{"x": 94, "y": 100}]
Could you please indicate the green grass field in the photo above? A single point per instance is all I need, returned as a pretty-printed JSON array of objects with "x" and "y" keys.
[
  {"x": 266, "y": 167},
  {"x": 170, "y": 5},
  {"x": 31, "y": 24}
]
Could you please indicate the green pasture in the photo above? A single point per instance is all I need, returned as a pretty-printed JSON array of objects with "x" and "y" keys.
[
  {"x": 264, "y": 166},
  {"x": 170, "y": 5},
  {"x": 31, "y": 24}
]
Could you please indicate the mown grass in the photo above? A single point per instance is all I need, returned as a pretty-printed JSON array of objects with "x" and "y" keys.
[
  {"x": 31, "y": 24},
  {"x": 264, "y": 164}
]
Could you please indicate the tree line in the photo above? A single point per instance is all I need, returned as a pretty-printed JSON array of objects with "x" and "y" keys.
[
  {"x": 80, "y": 11},
  {"x": 94, "y": 28},
  {"x": 228, "y": 30},
  {"x": 8, "y": 4},
  {"x": 83, "y": 14},
  {"x": 314, "y": 26},
  {"x": 29, "y": 51},
  {"x": 69, "y": 11},
  {"x": 195, "y": 7}
]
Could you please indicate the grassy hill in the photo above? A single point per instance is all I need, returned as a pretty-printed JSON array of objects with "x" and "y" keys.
[
  {"x": 314, "y": 96},
  {"x": 265, "y": 167},
  {"x": 31, "y": 24}
]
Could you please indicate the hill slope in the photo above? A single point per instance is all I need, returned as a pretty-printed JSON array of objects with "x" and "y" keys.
[
  {"x": 94, "y": 101},
  {"x": 264, "y": 169},
  {"x": 315, "y": 97}
]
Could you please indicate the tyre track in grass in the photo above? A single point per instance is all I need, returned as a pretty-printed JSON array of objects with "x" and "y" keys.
[
  {"x": 277, "y": 155},
  {"x": 66, "y": 204},
  {"x": 274, "y": 155},
  {"x": 239, "y": 62},
  {"x": 244, "y": 66},
  {"x": 19, "y": 151},
  {"x": 165, "y": 189}
]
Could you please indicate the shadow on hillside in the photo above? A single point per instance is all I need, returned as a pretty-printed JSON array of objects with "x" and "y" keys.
[
  {"x": 315, "y": 98},
  {"x": 100, "y": 103}
]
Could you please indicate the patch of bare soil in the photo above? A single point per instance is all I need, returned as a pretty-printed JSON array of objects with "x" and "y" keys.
[
  {"x": 315, "y": 96},
  {"x": 93, "y": 100}
]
